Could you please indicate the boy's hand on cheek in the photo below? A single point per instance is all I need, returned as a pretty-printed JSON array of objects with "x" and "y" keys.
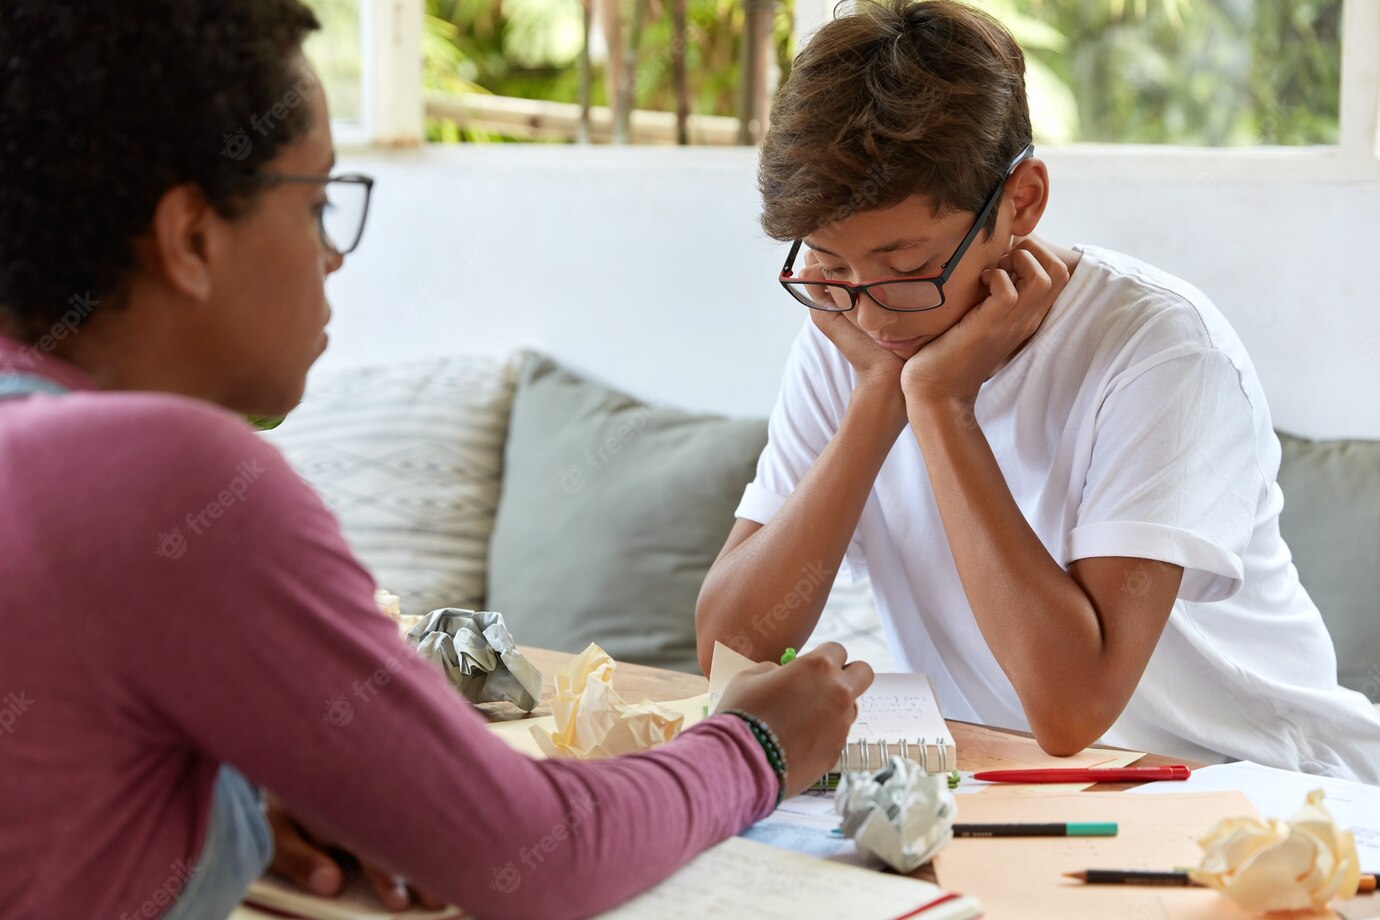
[
  {"x": 1021, "y": 290},
  {"x": 870, "y": 360},
  {"x": 879, "y": 370}
]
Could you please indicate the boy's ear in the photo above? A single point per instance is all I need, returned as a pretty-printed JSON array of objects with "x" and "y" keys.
[
  {"x": 1029, "y": 194},
  {"x": 179, "y": 241}
]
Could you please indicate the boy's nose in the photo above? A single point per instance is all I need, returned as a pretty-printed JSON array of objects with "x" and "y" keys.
[{"x": 871, "y": 317}]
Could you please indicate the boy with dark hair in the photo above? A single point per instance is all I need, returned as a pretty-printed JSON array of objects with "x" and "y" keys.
[{"x": 1056, "y": 465}]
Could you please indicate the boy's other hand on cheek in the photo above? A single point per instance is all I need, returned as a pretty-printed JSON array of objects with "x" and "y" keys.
[
  {"x": 1021, "y": 290},
  {"x": 872, "y": 362}
]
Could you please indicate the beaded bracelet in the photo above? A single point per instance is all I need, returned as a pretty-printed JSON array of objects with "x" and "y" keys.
[{"x": 776, "y": 754}]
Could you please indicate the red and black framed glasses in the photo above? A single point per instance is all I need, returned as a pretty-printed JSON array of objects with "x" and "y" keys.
[{"x": 900, "y": 295}]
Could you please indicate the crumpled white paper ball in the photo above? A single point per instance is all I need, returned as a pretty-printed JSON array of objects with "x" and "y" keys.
[
  {"x": 900, "y": 815},
  {"x": 1300, "y": 864}
]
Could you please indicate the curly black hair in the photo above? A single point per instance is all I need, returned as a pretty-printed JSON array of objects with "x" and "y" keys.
[{"x": 105, "y": 106}]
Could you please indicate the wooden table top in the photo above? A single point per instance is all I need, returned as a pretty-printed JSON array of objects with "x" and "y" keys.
[{"x": 636, "y": 682}]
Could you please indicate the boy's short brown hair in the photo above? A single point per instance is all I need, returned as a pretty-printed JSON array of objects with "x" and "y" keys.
[{"x": 897, "y": 98}]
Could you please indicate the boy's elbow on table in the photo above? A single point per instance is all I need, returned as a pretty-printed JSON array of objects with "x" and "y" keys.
[{"x": 1069, "y": 729}]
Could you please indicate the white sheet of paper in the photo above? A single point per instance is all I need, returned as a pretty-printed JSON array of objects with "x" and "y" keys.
[
  {"x": 806, "y": 824},
  {"x": 1280, "y": 793},
  {"x": 743, "y": 878}
]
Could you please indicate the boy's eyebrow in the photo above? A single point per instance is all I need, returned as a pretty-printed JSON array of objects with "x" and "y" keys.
[{"x": 893, "y": 246}]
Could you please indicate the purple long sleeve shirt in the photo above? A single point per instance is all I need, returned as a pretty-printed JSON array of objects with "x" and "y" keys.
[{"x": 175, "y": 597}]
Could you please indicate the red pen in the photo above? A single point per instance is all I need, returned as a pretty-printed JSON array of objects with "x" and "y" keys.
[{"x": 1085, "y": 775}]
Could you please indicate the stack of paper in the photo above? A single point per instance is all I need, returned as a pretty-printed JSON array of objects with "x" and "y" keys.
[
  {"x": 1279, "y": 793},
  {"x": 1023, "y": 877}
]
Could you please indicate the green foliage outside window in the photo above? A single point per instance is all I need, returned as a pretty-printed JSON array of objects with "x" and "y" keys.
[
  {"x": 1195, "y": 72},
  {"x": 1198, "y": 72}
]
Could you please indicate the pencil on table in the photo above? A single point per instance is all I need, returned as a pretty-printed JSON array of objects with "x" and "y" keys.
[{"x": 1178, "y": 879}]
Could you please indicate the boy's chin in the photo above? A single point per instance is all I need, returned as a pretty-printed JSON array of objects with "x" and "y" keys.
[{"x": 912, "y": 352}]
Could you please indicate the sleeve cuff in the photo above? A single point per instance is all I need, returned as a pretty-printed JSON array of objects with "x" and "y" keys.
[
  {"x": 759, "y": 504},
  {"x": 1211, "y": 572}
]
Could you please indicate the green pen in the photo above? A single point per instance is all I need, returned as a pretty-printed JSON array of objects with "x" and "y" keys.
[
  {"x": 788, "y": 656},
  {"x": 1070, "y": 829}
]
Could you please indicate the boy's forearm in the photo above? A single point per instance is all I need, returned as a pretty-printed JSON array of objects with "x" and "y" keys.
[
  {"x": 767, "y": 593},
  {"x": 1040, "y": 625}
]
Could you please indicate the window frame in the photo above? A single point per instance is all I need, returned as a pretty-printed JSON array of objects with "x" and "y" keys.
[{"x": 393, "y": 108}]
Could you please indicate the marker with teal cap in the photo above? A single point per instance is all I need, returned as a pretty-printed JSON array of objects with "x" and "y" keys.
[{"x": 1070, "y": 829}]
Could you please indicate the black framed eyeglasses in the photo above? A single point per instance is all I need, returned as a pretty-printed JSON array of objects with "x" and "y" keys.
[
  {"x": 341, "y": 219},
  {"x": 900, "y": 295}
]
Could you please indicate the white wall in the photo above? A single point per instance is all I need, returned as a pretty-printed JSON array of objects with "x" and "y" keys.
[{"x": 645, "y": 268}]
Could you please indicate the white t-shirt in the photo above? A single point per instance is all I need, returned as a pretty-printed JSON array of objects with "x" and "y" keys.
[{"x": 1132, "y": 424}]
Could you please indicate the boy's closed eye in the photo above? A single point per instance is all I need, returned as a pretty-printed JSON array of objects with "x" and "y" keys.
[{"x": 929, "y": 267}]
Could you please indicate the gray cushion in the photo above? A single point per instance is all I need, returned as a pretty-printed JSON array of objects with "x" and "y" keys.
[
  {"x": 610, "y": 516},
  {"x": 1331, "y": 521}
]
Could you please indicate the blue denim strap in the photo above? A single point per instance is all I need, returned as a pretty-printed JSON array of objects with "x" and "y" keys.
[
  {"x": 238, "y": 848},
  {"x": 13, "y": 386}
]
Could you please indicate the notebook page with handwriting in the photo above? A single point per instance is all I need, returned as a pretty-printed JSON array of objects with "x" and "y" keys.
[{"x": 742, "y": 878}]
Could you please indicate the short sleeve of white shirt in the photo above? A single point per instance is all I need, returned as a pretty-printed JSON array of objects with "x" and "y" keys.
[
  {"x": 1174, "y": 474},
  {"x": 807, "y": 414}
]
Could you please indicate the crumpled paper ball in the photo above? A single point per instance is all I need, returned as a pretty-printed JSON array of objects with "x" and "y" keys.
[
  {"x": 594, "y": 721},
  {"x": 1300, "y": 864},
  {"x": 477, "y": 654},
  {"x": 899, "y": 815}
]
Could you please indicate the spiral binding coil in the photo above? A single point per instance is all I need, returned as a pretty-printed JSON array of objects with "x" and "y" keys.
[{"x": 873, "y": 755}]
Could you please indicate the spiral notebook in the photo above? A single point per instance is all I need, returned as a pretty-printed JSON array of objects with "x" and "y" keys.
[{"x": 897, "y": 716}]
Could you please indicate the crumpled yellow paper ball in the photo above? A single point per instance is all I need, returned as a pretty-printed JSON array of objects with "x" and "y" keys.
[
  {"x": 1300, "y": 864},
  {"x": 390, "y": 605},
  {"x": 594, "y": 721}
]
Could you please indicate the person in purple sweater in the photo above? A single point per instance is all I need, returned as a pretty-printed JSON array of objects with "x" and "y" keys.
[{"x": 181, "y": 613}]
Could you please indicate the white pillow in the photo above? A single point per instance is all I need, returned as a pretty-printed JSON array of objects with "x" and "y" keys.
[{"x": 410, "y": 459}]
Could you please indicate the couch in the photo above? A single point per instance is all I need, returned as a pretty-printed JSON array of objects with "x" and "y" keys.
[{"x": 584, "y": 514}]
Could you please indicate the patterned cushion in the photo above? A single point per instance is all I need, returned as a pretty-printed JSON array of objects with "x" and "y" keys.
[
  {"x": 850, "y": 619},
  {"x": 410, "y": 458}
]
